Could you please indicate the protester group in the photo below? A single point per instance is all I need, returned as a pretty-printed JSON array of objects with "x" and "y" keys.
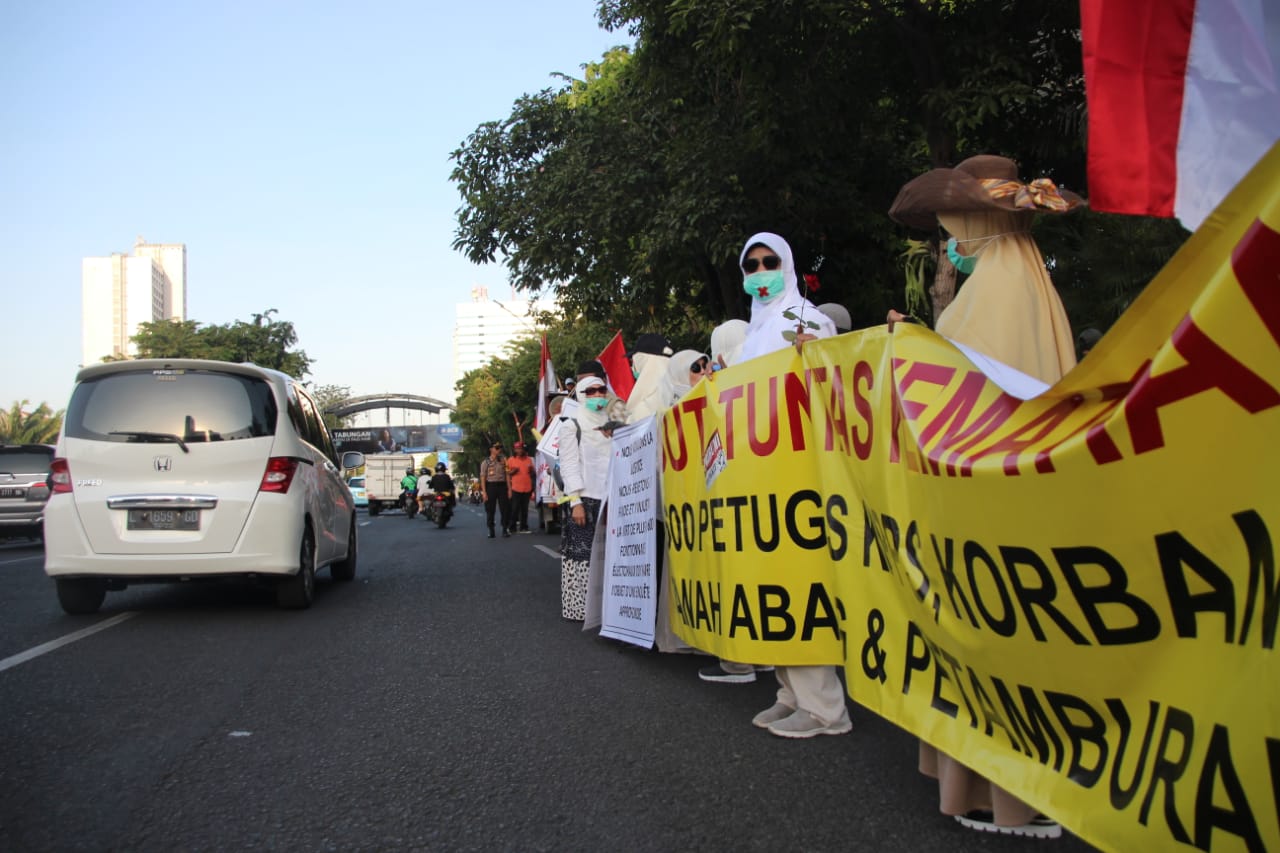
[{"x": 1007, "y": 314}]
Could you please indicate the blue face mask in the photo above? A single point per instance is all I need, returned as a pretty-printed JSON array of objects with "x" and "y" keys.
[
  {"x": 764, "y": 286},
  {"x": 962, "y": 263},
  {"x": 597, "y": 404}
]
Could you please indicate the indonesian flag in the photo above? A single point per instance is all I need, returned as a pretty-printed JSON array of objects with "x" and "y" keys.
[
  {"x": 546, "y": 386},
  {"x": 1184, "y": 98},
  {"x": 617, "y": 368}
]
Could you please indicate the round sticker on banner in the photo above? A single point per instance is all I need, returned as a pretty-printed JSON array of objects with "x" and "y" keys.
[{"x": 449, "y": 432}]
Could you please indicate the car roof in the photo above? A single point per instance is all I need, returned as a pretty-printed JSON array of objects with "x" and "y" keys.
[{"x": 246, "y": 368}]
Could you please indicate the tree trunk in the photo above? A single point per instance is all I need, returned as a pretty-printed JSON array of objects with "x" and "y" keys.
[{"x": 943, "y": 289}]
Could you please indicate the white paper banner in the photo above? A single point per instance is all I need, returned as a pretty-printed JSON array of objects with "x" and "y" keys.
[{"x": 629, "y": 603}]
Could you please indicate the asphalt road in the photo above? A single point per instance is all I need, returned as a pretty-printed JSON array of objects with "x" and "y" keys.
[{"x": 437, "y": 702}]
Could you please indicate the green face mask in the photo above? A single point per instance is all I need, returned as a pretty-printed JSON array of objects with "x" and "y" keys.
[
  {"x": 962, "y": 263},
  {"x": 764, "y": 286},
  {"x": 597, "y": 404}
]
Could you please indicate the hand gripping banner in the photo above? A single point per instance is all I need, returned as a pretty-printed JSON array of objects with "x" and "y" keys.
[{"x": 1076, "y": 595}]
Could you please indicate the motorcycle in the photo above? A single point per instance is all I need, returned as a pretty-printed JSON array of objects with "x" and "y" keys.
[
  {"x": 409, "y": 503},
  {"x": 439, "y": 508},
  {"x": 476, "y": 498}
]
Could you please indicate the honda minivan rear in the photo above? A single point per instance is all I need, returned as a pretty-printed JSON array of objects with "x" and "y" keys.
[{"x": 177, "y": 469}]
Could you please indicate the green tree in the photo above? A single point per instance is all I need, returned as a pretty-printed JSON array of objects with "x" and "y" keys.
[
  {"x": 499, "y": 402},
  {"x": 628, "y": 192},
  {"x": 265, "y": 342},
  {"x": 328, "y": 396},
  {"x": 23, "y": 425}
]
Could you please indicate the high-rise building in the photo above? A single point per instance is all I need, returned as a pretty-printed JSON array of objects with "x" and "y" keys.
[
  {"x": 121, "y": 291},
  {"x": 485, "y": 326}
]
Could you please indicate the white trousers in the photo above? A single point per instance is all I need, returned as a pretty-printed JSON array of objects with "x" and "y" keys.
[{"x": 815, "y": 689}]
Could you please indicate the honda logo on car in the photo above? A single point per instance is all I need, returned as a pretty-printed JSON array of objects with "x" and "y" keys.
[{"x": 163, "y": 463}]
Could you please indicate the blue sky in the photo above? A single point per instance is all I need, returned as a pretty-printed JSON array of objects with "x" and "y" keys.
[{"x": 299, "y": 149}]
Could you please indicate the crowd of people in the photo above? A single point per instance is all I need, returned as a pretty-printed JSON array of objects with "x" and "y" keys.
[{"x": 1006, "y": 316}]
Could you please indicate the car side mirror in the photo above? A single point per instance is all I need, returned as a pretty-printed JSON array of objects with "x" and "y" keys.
[{"x": 352, "y": 459}]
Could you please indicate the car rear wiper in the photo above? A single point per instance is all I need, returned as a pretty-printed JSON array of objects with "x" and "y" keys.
[{"x": 153, "y": 436}]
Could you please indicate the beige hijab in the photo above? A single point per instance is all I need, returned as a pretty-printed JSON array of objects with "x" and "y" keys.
[{"x": 1008, "y": 309}]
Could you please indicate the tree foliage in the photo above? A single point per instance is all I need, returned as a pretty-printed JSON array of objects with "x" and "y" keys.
[
  {"x": 22, "y": 424},
  {"x": 264, "y": 341},
  {"x": 628, "y": 193},
  {"x": 498, "y": 402},
  {"x": 327, "y": 396}
]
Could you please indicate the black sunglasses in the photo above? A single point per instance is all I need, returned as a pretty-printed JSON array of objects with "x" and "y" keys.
[
  {"x": 771, "y": 262},
  {"x": 597, "y": 391},
  {"x": 699, "y": 366}
]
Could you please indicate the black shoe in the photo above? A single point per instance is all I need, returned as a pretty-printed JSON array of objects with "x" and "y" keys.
[
  {"x": 506, "y": 534},
  {"x": 490, "y": 532}
]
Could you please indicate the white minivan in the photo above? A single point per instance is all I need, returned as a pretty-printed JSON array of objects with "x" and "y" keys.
[{"x": 177, "y": 469}]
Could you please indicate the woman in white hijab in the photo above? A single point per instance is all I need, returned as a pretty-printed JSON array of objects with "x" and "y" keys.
[
  {"x": 769, "y": 277},
  {"x": 810, "y": 699},
  {"x": 726, "y": 342},
  {"x": 584, "y": 467},
  {"x": 685, "y": 369}
]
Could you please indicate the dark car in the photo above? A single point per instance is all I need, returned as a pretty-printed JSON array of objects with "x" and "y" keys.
[{"x": 24, "y": 489}]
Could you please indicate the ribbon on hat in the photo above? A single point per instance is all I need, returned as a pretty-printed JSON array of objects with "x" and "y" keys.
[{"x": 1040, "y": 194}]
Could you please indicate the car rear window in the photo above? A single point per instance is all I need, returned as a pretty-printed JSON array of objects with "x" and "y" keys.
[
  {"x": 158, "y": 405},
  {"x": 23, "y": 461},
  {"x": 357, "y": 482}
]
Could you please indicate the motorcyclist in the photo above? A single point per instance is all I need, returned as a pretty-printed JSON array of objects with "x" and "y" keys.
[
  {"x": 442, "y": 482},
  {"x": 408, "y": 484},
  {"x": 422, "y": 492}
]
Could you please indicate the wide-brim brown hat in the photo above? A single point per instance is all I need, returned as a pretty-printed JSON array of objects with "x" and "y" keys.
[{"x": 982, "y": 183}]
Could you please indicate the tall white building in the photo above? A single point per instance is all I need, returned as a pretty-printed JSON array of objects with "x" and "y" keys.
[
  {"x": 485, "y": 326},
  {"x": 121, "y": 291}
]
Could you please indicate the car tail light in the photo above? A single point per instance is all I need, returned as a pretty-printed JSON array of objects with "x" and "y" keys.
[
  {"x": 279, "y": 474},
  {"x": 60, "y": 475}
]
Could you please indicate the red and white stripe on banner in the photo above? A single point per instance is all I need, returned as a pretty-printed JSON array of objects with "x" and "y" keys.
[{"x": 1184, "y": 98}]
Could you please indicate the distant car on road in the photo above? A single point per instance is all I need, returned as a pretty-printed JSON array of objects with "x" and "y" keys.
[
  {"x": 169, "y": 470},
  {"x": 356, "y": 487},
  {"x": 24, "y": 471}
]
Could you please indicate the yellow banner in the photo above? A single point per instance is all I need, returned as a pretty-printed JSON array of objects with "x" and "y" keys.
[{"x": 1076, "y": 595}]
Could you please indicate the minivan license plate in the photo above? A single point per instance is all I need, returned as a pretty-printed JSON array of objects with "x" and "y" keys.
[
  {"x": 164, "y": 519},
  {"x": 10, "y": 493}
]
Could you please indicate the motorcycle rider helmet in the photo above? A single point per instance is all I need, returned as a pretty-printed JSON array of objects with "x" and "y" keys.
[
  {"x": 441, "y": 467},
  {"x": 409, "y": 470},
  {"x": 424, "y": 470}
]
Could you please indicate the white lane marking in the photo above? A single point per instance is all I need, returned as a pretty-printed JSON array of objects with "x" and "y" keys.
[
  {"x": 22, "y": 559},
  {"x": 544, "y": 549},
  {"x": 43, "y": 648}
]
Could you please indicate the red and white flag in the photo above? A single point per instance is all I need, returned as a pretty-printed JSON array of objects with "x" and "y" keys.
[
  {"x": 1183, "y": 97},
  {"x": 616, "y": 366},
  {"x": 546, "y": 386}
]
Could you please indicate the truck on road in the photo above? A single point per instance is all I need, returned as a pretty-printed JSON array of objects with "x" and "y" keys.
[{"x": 382, "y": 475}]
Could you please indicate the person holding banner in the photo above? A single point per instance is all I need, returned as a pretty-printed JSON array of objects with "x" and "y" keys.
[
  {"x": 649, "y": 357},
  {"x": 1009, "y": 311},
  {"x": 584, "y": 468},
  {"x": 726, "y": 343},
  {"x": 810, "y": 699},
  {"x": 685, "y": 369}
]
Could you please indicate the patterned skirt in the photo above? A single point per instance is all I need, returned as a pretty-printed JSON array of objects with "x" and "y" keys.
[{"x": 575, "y": 551}]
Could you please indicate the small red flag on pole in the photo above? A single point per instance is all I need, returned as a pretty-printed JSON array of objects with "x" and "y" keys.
[{"x": 617, "y": 367}]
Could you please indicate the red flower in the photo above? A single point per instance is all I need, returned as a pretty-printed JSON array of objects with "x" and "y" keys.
[{"x": 811, "y": 282}]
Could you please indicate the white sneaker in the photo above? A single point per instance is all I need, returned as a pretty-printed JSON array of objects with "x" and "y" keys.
[
  {"x": 772, "y": 714},
  {"x": 802, "y": 724},
  {"x": 984, "y": 821}
]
